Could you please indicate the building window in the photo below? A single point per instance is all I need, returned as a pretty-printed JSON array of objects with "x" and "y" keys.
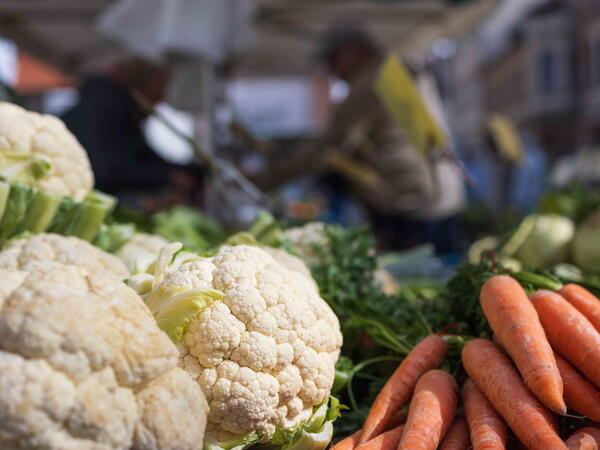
[
  {"x": 547, "y": 72},
  {"x": 595, "y": 66}
]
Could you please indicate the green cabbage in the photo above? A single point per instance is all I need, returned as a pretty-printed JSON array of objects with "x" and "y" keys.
[
  {"x": 586, "y": 245},
  {"x": 541, "y": 241},
  {"x": 192, "y": 228},
  {"x": 111, "y": 238}
]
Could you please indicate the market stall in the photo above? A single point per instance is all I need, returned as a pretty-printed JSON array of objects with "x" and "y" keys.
[{"x": 168, "y": 328}]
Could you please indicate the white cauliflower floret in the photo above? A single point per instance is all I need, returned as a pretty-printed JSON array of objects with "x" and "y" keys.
[
  {"x": 140, "y": 245},
  {"x": 289, "y": 261},
  {"x": 46, "y": 137},
  {"x": 265, "y": 353},
  {"x": 27, "y": 253},
  {"x": 84, "y": 366},
  {"x": 305, "y": 239}
]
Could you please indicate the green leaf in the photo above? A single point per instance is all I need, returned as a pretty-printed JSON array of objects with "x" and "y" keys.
[
  {"x": 111, "y": 238},
  {"x": 41, "y": 211},
  {"x": 90, "y": 215},
  {"x": 174, "y": 307},
  {"x": 313, "y": 441},
  {"x": 241, "y": 238},
  {"x": 193, "y": 229},
  {"x": 15, "y": 211},
  {"x": 335, "y": 409},
  {"x": 67, "y": 210},
  {"x": 268, "y": 231},
  {"x": 239, "y": 443},
  {"x": 4, "y": 193},
  {"x": 343, "y": 369},
  {"x": 163, "y": 261},
  {"x": 23, "y": 168}
]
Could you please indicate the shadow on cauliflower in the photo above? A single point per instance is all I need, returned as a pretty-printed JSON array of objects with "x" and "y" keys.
[
  {"x": 256, "y": 336},
  {"x": 84, "y": 366}
]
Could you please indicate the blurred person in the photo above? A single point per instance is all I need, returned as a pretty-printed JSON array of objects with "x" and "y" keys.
[
  {"x": 108, "y": 122},
  {"x": 404, "y": 204}
]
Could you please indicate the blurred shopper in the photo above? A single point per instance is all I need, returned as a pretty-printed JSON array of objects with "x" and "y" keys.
[
  {"x": 395, "y": 182},
  {"x": 108, "y": 123}
]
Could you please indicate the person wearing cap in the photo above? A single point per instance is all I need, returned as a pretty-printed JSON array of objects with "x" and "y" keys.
[{"x": 398, "y": 187}]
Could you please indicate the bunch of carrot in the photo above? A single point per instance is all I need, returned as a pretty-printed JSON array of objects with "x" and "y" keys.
[{"x": 545, "y": 358}]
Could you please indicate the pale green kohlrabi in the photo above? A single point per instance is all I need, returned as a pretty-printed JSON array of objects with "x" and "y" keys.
[
  {"x": 586, "y": 245},
  {"x": 541, "y": 241}
]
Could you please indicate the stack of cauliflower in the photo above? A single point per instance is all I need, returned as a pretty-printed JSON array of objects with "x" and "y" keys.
[
  {"x": 83, "y": 364},
  {"x": 86, "y": 361}
]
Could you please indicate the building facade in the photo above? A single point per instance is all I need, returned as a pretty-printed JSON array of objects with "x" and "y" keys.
[{"x": 545, "y": 76}]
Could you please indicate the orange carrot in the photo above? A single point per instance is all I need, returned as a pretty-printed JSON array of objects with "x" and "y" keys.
[
  {"x": 580, "y": 395},
  {"x": 431, "y": 411},
  {"x": 397, "y": 419},
  {"x": 581, "y": 441},
  {"x": 497, "y": 378},
  {"x": 488, "y": 430},
  {"x": 385, "y": 441},
  {"x": 457, "y": 437},
  {"x": 496, "y": 341},
  {"x": 516, "y": 324},
  {"x": 586, "y": 302},
  {"x": 570, "y": 333},
  {"x": 587, "y": 438},
  {"x": 349, "y": 443},
  {"x": 427, "y": 355}
]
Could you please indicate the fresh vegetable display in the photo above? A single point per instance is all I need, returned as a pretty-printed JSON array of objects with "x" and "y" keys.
[
  {"x": 564, "y": 230},
  {"x": 544, "y": 355},
  {"x": 120, "y": 330}
]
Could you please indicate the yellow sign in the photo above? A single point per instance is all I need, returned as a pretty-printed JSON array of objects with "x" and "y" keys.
[
  {"x": 506, "y": 138},
  {"x": 397, "y": 90}
]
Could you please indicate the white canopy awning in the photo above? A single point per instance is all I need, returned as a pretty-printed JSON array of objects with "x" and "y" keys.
[{"x": 64, "y": 33}]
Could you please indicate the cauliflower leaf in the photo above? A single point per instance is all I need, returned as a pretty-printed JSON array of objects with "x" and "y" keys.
[
  {"x": 314, "y": 434},
  {"x": 15, "y": 210},
  {"x": 240, "y": 443},
  {"x": 174, "y": 307},
  {"x": 23, "y": 168}
]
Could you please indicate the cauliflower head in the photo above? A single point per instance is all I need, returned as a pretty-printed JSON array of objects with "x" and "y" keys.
[
  {"x": 289, "y": 261},
  {"x": 305, "y": 239},
  {"x": 29, "y": 252},
  {"x": 28, "y": 134},
  {"x": 140, "y": 245},
  {"x": 262, "y": 344},
  {"x": 84, "y": 366}
]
